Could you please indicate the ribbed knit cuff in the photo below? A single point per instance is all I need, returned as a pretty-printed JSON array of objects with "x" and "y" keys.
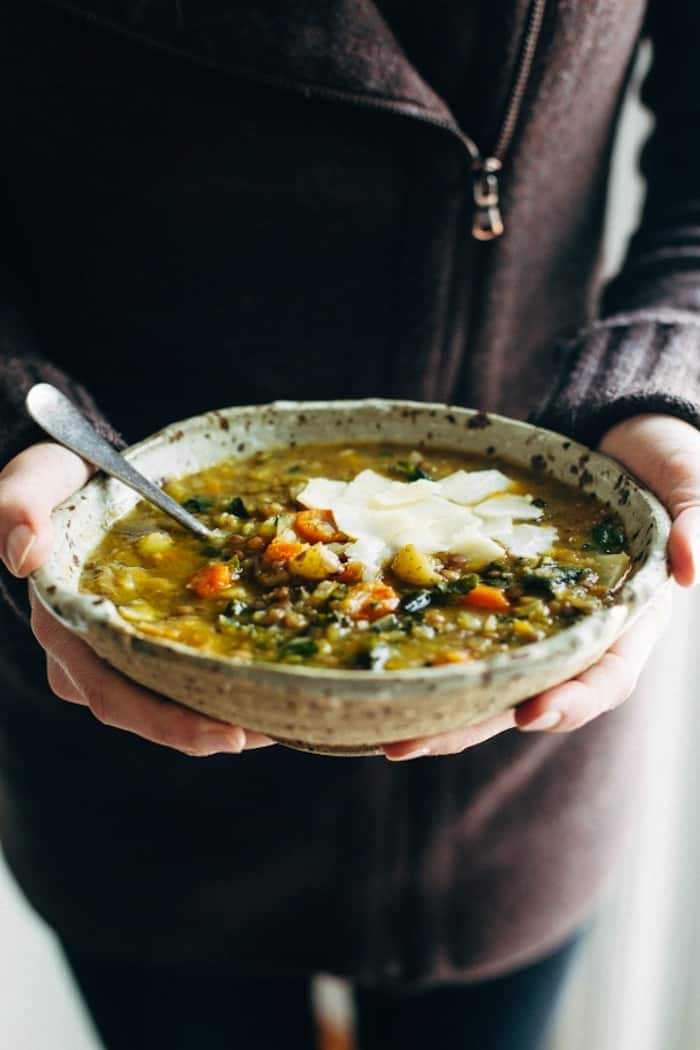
[
  {"x": 620, "y": 367},
  {"x": 17, "y": 429}
]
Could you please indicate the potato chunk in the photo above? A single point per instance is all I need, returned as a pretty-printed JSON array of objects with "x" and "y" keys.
[
  {"x": 414, "y": 567},
  {"x": 611, "y": 568},
  {"x": 154, "y": 543},
  {"x": 315, "y": 563}
]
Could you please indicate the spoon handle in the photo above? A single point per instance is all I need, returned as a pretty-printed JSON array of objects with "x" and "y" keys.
[{"x": 59, "y": 417}]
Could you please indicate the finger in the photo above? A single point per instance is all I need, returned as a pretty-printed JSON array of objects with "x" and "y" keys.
[
  {"x": 31, "y": 485},
  {"x": 63, "y": 647},
  {"x": 664, "y": 453},
  {"x": 254, "y": 741},
  {"x": 684, "y": 547},
  {"x": 118, "y": 702},
  {"x": 602, "y": 687},
  {"x": 61, "y": 684},
  {"x": 450, "y": 743}
]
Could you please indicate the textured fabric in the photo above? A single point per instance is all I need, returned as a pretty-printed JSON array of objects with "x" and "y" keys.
[
  {"x": 645, "y": 355},
  {"x": 641, "y": 361},
  {"x": 210, "y": 204}
]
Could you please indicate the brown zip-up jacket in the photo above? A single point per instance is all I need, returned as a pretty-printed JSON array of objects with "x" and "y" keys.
[{"x": 237, "y": 202}]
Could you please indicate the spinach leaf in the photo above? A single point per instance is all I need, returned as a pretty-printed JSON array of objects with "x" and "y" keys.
[
  {"x": 549, "y": 581},
  {"x": 463, "y": 585},
  {"x": 234, "y": 609},
  {"x": 238, "y": 507},
  {"x": 300, "y": 647},
  {"x": 374, "y": 657},
  {"x": 387, "y": 623},
  {"x": 608, "y": 537},
  {"x": 215, "y": 553},
  {"x": 198, "y": 504},
  {"x": 416, "y": 601},
  {"x": 409, "y": 471}
]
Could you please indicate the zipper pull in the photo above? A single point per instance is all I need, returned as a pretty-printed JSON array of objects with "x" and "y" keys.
[{"x": 488, "y": 222}]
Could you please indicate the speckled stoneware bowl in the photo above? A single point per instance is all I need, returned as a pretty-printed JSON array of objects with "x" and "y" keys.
[{"x": 341, "y": 712}]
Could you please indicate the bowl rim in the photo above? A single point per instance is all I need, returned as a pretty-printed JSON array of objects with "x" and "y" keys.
[{"x": 633, "y": 597}]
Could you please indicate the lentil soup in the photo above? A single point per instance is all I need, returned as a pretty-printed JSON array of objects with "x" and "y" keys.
[{"x": 371, "y": 557}]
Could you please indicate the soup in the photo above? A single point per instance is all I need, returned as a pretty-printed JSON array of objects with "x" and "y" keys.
[{"x": 373, "y": 557}]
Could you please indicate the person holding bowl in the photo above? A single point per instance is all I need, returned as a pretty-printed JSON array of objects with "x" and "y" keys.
[{"x": 206, "y": 206}]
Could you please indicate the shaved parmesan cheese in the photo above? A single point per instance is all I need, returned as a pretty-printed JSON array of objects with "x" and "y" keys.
[
  {"x": 520, "y": 507},
  {"x": 472, "y": 486},
  {"x": 372, "y": 553},
  {"x": 399, "y": 492},
  {"x": 321, "y": 492},
  {"x": 480, "y": 549},
  {"x": 365, "y": 484},
  {"x": 525, "y": 541},
  {"x": 469, "y": 512}
]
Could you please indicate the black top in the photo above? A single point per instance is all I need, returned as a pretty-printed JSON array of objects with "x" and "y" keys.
[{"x": 224, "y": 211}]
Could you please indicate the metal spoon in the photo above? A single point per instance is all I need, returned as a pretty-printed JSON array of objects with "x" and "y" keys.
[{"x": 59, "y": 417}]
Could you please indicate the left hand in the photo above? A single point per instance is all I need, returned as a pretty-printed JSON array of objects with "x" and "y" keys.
[{"x": 664, "y": 453}]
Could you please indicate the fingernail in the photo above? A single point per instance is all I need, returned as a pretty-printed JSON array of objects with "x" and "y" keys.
[
  {"x": 548, "y": 720},
  {"x": 19, "y": 543},
  {"x": 228, "y": 740},
  {"x": 418, "y": 752}
]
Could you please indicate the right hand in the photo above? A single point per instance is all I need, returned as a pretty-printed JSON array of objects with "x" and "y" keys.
[{"x": 31, "y": 485}]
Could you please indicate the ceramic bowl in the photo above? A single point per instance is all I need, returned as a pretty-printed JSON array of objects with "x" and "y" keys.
[{"x": 343, "y": 712}]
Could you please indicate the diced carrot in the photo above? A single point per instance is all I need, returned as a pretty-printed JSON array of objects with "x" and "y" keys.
[
  {"x": 352, "y": 573},
  {"x": 279, "y": 553},
  {"x": 318, "y": 526},
  {"x": 484, "y": 597},
  {"x": 370, "y": 601},
  {"x": 211, "y": 580},
  {"x": 453, "y": 656}
]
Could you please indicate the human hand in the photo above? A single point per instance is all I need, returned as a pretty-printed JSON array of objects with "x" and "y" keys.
[
  {"x": 31, "y": 485},
  {"x": 664, "y": 453}
]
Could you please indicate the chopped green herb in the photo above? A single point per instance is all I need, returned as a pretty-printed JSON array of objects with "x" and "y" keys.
[
  {"x": 198, "y": 504},
  {"x": 235, "y": 608},
  {"x": 300, "y": 647},
  {"x": 215, "y": 553},
  {"x": 463, "y": 585},
  {"x": 608, "y": 537},
  {"x": 416, "y": 601},
  {"x": 387, "y": 623},
  {"x": 409, "y": 471},
  {"x": 374, "y": 657},
  {"x": 549, "y": 581},
  {"x": 238, "y": 507},
  {"x": 539, "y": 502}
]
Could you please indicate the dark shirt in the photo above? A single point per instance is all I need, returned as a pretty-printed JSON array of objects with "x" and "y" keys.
[{"x": 224, "y": 211}]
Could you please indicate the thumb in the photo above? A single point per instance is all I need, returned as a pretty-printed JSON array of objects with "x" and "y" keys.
[
  {"x": 31, "y": 485},
  {"x": 664, "y": 453}
]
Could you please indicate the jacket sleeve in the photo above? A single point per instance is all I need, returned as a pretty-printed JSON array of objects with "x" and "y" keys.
[
  {"x": 22, "y": 365},
  {"x": 643, "y": 354}
]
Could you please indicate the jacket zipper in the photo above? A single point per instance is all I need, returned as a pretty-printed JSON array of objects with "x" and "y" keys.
[{"x": 487, "y": 223}]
